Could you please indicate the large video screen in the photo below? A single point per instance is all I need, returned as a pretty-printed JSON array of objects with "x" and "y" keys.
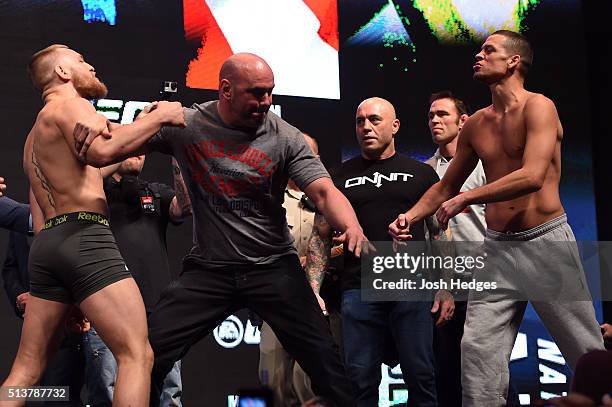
[
  {"x": 298, "y": 38},
  {"x": 327, "y": 56}
]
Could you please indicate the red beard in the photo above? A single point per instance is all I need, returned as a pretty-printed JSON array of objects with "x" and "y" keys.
[{"x": 89, "y": 88}]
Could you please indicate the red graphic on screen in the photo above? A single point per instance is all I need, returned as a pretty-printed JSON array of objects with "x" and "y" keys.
[
  {"x": 299, "y": 39},
  {"x": 327, "y": 13},
  {"x": 200, "y": 24}
]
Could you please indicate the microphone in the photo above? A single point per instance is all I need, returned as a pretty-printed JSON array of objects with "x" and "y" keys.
[{"x": 308, "y": 204}]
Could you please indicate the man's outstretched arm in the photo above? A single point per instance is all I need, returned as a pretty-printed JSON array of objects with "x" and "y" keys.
[
  {"x": 338, "y": 212},
  {"x": 110, "y": 169},
  {"x": 81, "y": 124},
  {"x": 318, "y": 256},
  {"x": 460, "y": 168}
]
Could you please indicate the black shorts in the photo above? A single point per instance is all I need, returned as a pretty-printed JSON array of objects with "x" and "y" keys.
[{"x": 74, "y": 256}]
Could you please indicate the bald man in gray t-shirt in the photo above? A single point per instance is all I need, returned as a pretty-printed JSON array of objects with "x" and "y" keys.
[{"x": 236, "y": 159}]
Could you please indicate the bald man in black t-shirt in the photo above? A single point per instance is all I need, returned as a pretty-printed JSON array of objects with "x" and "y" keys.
[{"x": 378, "y": 183}]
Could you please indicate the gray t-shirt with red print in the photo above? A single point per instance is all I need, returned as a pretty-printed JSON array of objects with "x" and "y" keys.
[{"x": 236, "y": 181}]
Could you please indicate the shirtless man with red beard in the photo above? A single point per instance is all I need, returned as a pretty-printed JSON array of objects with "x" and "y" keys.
[{"x": 74, "y": 259}]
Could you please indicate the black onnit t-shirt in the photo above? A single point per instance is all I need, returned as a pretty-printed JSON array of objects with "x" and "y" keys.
[
  {"x": 139, "y": 216},
  {"x": 379, "y": 191}
]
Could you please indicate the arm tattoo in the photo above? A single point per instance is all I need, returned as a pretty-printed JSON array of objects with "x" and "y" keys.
[
  {"x": 42, "y": 179},
  {"x": 441, "y": 245},
  {"x": 319, "y": 251},
  {"x": 180, "y": 190}
]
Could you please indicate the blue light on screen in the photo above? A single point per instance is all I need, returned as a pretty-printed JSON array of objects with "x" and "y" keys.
[{"x": 104, "y": 11}]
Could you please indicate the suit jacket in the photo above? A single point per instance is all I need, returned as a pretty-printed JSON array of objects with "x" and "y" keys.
[
  {"x": 15, "y": 270},
  {"x": 14, "y": 216}
]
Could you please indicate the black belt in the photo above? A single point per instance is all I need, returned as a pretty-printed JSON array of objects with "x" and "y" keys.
[{"x": 80, "y": 217}]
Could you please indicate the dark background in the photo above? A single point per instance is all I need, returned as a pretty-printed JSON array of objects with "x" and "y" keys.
[{"x": 146, "y": 47}]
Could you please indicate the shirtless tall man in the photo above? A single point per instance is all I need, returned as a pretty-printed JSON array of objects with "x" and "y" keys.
[
  {"x": 518, "y": 139},
  {"x": 74, "y": 259}
]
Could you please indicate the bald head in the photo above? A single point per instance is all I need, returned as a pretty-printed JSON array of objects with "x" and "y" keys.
[
  {"x": 242, "y": 65},
  {"x": 42, "y": 65},
  {"x": 246, "y": 82},
  {"x": 376, "y": 125},
  {"x": 382, "y": 105}
]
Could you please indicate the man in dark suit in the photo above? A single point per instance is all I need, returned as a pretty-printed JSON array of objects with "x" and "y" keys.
[
  {"x": 68, "y": 364},
  {"x": 14, "y": 216}
]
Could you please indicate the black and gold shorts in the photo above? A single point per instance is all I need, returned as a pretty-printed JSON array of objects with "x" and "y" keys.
[{"x": 74, "y": 256}]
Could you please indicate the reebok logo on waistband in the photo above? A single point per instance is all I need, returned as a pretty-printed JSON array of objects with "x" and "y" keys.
[
  {"x": 81, "y": 216},
  {"x": 55, "y": 221},
  {"x": 92, "y": 217}
]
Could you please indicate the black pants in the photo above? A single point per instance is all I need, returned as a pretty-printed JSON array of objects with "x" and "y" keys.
[
  {"x": 201, "y": 298},
  {"x": 447, "y": 348},
  {"x": 65, "y": 369}
]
